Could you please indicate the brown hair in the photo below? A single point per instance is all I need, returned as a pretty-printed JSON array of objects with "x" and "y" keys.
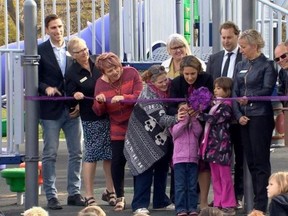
[
  {"x": 211, "y": 211},
  {"x": 107, "y": 60},
  {"x": 153, "y": 73},
  {"x": 190, "y": 61},
  {"x": 50, "y": 18},
  {"x": 281, "y": 179},
  {"x": 225, "y": 83},
  {"x": 230, "y": 25}
]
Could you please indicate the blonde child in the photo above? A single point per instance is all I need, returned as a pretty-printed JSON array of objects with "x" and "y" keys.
[
  {"x": 92, "y": 211},
  {"x": 216, "y": 146},
  {"x": 35, "y": 211},
  {"x": 277, "y": 191},
  {"x": 211, "y": 211}
]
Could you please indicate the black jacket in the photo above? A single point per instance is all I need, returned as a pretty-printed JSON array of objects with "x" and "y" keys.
[
  {"x": 79, "y": 79},
  {"x": 214, "y": 64},
  {"x": 179, "y": 88},
  {"x": 49, "y": 74},
  {"x": 254, "y": 78},
  {"x": 279, "y": 205}
]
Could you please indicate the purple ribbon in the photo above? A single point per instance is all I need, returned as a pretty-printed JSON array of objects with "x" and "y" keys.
[{"x": 65, "y": 98}]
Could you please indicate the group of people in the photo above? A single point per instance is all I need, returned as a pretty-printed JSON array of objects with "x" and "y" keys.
[{"x": 124, "y": 121}]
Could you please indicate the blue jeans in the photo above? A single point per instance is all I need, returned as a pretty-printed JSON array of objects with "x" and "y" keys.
[
  {"x": 143, "y": 183},
  {"x": 186, "y": 196},
  {"x": 73, "y": 134}
]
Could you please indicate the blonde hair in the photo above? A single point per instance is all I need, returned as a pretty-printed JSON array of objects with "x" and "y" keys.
[
  {"x": 281, "y": 178},
  {"x": 92, "y": 211},
  {"x": 177, "y": 39},
  {"x": 35, "y": 211},
  {"x": 253, "y": 37}
]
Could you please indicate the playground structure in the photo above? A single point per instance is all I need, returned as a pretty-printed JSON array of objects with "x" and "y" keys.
[{"x": 137, "y": 30}]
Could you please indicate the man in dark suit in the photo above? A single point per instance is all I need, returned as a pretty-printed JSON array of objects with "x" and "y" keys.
[
  {"x": 57, "y": 115},
  {"x": 222, "y": 64}
]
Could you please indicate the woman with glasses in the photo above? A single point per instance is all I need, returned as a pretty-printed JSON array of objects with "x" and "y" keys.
[
  {"x": 177, "y": 47},
  {"x": 255, "y": 76},
  {"x": 147, "y": 142},
  {"x": 81, "y": 77}
]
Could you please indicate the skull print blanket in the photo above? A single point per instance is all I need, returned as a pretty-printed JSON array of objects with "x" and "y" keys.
[{"x": 147, "y": 138}]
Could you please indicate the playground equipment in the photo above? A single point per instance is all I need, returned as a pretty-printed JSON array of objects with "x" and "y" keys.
[{"x": 15, "y": 178}]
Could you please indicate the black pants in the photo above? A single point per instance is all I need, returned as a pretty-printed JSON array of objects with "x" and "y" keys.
[
  {"x": 118, "y": 166},
  {"x": 256, "y": 139},
  {"x": 238, "y": 155}
]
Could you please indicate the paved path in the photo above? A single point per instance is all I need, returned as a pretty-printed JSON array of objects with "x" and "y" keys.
[{"x": 8, "y": 200}]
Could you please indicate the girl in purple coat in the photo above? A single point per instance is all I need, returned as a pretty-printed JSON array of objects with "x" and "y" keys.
[{"x": 216, "y": 146}]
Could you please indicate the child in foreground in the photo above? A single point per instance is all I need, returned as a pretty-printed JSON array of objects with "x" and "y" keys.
[
  {"x": 92, "y": 211},
  {"x": 35, "y": 211},
  {"x": 216, "y": 146},
  {"x": 277, "y": 191}
]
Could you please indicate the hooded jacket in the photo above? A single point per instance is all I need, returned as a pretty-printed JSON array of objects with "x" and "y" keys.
[{"x": 279, "y": 205}]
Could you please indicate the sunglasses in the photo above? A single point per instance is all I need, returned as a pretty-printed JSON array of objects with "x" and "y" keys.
[{"x": 283, "y": 56}]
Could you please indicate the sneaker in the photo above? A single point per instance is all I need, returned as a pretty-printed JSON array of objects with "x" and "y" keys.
[
  {"x": 54, "y": 204},
  {"x": 76, "y": 200},
  {"x": 228, "y": 211},
  {"x": 169, "y": 207},
  {"x": 239, "y": 204},
  {"x": 141, "y": 211}
]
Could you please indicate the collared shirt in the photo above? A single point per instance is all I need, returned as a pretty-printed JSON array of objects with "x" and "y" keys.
[
  {"x": 232, "y": 61},
  {"x": 60, "y": 54}
]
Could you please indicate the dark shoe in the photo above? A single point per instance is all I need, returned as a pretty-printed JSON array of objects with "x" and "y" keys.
[
  {"x": 109, "y": 197},
  {"x": 54, "y": 204},
  {"x": 90, "y": 201},
  {"x": 76, "y": 200}
]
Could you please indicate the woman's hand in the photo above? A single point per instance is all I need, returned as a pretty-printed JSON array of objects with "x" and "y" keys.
[
  {"x": 243, "y": 101},
  {"x": 117, "y": 99},
  {"x": 243, "y": 120},
  {"x": 78, "y": 95},
  {"x": 100, "y": 98}
]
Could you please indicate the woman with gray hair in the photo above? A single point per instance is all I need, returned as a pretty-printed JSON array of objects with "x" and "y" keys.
[
  {"x": 177, "y": 47},
  {"x": 147, "y": 142},
  {"x": 255, "y": 76},
  {"x": 81, "y": 77}
]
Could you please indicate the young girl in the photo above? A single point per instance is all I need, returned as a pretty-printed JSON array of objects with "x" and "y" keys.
[
  {"x": 277, "y": 191},
  {"x": 186, "y": 134},
  {"x": 216, "y": 146}
]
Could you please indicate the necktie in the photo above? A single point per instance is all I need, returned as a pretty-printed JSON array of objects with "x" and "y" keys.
[{"x": 226, "y": 66}]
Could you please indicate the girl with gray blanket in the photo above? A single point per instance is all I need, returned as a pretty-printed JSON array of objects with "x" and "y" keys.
[{"x": 147, "y": 142}]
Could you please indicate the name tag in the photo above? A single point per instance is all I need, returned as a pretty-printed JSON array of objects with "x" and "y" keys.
[
  {"x": 243, "y": 71},
  {"x": 83, "y": 79}
]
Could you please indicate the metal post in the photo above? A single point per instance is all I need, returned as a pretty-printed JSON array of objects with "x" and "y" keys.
[
  {"x": 30, "y": 66},
  {"x": 178, "y": 16},
  {"x": 116, "y": 28},
  {"x": 248, "y": 11},
  {"x": 248, "y": 188},
  {"x": 216, "y": 18}
]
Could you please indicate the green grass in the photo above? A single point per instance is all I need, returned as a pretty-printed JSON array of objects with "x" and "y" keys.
[{"x": 40, "y": 131}]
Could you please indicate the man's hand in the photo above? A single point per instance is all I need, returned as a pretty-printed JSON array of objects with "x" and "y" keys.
[{"x": 52, "y": 91}]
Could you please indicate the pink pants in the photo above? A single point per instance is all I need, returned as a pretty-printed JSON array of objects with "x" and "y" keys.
[{"x": 224, "y": 195}]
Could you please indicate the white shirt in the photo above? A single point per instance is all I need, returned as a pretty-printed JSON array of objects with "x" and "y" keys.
[
  {"x": 232, "y": 62},
  {"x": 60, "y": 54}
]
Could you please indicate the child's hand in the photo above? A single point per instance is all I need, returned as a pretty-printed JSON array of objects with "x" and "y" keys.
[
  {"x": 183, "y": 107},
  {"x": 181, "y": 115}
]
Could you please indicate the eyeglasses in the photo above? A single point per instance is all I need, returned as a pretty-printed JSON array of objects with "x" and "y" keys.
[
  {"x": 178, "y": 47},
  {"x": 283, "y": 56},
  {"x": 80, "y": 51}
]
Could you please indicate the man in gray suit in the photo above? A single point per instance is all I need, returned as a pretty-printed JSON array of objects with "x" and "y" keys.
[{"x": 222, "y": 64}]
